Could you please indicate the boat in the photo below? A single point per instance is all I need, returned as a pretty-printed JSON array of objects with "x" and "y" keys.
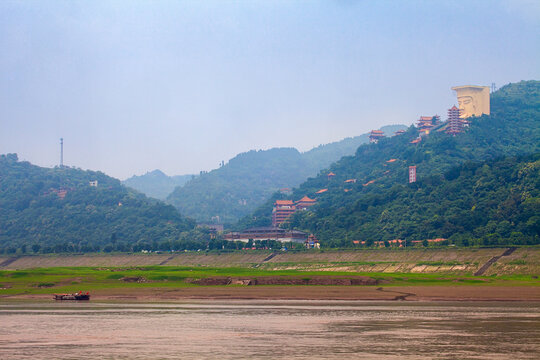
[{"x": 76, "y": 296}]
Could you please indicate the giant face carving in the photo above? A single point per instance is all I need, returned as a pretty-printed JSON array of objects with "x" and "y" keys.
[{"x": 472, "y": 100}]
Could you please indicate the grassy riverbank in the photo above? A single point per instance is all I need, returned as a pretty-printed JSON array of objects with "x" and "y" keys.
[
  {"x": 181, "y": 282},
  {"x": 455, "y": 261},
  {"x": 368, "y": 274}
]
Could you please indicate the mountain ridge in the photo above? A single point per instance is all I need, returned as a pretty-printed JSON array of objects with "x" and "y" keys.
[{"x": 230, "y": 192}]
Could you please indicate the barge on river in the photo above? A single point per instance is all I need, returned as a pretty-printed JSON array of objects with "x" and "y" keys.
[{"x": 76, "y": 296}]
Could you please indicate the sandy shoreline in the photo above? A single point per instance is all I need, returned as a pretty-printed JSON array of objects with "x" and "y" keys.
[{"x": 391, "y": 293}]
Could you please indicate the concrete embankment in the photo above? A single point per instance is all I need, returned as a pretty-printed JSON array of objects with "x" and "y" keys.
[{"x": 455, "y": 261}]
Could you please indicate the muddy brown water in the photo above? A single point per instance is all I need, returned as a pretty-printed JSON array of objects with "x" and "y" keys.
[{"x": 270, "y": 330}]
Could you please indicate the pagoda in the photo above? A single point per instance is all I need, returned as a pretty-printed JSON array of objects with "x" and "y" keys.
[
  {"x": 455, "y": 123},
  {"x": 375, "y": 135},
  {"x": 425, "y": 124},
  {"x": 282, "y": 210}
]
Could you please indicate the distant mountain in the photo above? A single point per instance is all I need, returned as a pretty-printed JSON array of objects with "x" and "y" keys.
[
  {"x": 66, "y": 209},
  {"x": 474, "y": 188},
  {"x": 156, "y": 184},
  {"x": 248, "y": 180}
]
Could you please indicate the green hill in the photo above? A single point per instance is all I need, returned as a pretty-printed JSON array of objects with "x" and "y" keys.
[
  {"x": 381, "y": 205},
  {"x": 248, "y": 180},
  {"x": 57, "y": 210},
  {"x": 156, "y": 184}
]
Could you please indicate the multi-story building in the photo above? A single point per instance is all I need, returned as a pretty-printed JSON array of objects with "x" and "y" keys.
[
  {"x": 425, "y": 124},
  {"x": 455, "y": 123},
  {"x": 282, "y": 210}
]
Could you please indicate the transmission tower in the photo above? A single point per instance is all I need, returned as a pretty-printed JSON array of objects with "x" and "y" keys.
[{"x": 61, "y": 152}]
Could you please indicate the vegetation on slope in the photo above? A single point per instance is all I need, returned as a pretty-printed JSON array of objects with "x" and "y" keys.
[
  {"x": 430, "y": 207},
  {"x": 486, "y": 203},
  {"x": 56, "y": 210},
  {"x": 248, "y": 180},
  {"x": 156, "y": 184}
]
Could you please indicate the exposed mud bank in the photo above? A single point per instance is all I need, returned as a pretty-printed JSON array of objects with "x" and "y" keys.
[{"x": 278, "y": 280}]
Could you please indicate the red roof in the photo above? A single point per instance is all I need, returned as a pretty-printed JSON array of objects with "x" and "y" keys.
[
  {"x": 306, "y": 199},
  {"x": 391, "y": 160},
  {"x": 416, "y": 141},
  {"x": 376, "y": 132},
  {"x": 284, "y": 202},
  {"x": 454, "y": 108},
  {"x": 321, "y": 191},
  {"x": 331, "y": 174},
  {"x": 350, "y": 181},
  {"x": 369, "y": 182},
  {"x": 426, "y": 118}
]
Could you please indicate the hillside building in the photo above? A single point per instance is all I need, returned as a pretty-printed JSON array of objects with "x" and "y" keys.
[
  {"x": 312, "y": 242},
  {"x": 282, "y": 210},
  {"x": 304, "y": 203},
  {"x": 285, "y": 208},
  {"x": 268, "y": 233},
  {"x": 455, "y": 124},
  {"x": 425, "y": 124},
  {"x": 375, "y": 136}
]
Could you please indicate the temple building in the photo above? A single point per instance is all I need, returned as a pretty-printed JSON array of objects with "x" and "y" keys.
[
  {"x": 268, "y": 233},
  {"x": 304, "y": 203},
  {"x": 426, "y": 123},
  {"x": 312, "y": 242},
  {"x": 282, "y": 210},
  {"x": 285, "y": 208},
  {"x": 375, "y": 135},
  {"x": 455, "y": 124}
]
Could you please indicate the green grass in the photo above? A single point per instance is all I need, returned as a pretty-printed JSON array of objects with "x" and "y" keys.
[
  {"x": 439, "y": 263},
  {"x": 71, "y": 279},
  {"x": 517, "y": 262}
]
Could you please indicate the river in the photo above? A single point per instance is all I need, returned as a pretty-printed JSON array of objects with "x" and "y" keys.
[{"x": 270, "y": 330}]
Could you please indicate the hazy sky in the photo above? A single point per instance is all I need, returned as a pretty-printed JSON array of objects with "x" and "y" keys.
[{"x": 133, "y": 86}]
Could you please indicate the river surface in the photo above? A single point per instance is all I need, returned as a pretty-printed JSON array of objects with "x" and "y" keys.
[{"x": 270, "y": 330}]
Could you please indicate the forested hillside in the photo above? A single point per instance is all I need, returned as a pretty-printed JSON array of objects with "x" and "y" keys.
[
  {"x": 248, "y": 180},
  {"x": 371, "y": 208},
  {"x": 64, "y": 209},
  {"x": 156, "y": 184}
]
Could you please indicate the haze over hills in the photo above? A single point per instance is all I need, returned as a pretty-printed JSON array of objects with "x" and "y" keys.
[
  {"x": 236, "y": 189},
  {"x": 156, "y": 184},
  {"x": 469, "y": 186},
  {"x": 66, "y": 209}
]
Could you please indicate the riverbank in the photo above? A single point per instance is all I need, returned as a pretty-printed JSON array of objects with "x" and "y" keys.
[
  {"x": 393, "y": 293},
  {"x": 501, "y": 274},
  {"x": 456, "y": 261}
]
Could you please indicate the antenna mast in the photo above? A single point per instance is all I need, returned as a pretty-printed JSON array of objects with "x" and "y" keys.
[{"x": 61, "y": 152}]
